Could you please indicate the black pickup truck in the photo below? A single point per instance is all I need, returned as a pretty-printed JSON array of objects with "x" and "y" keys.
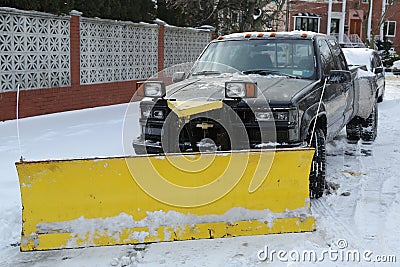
[{"x": 260, "y": 90}]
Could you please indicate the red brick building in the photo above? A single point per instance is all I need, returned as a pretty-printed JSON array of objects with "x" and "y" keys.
[{"x": 312, "y": 15}]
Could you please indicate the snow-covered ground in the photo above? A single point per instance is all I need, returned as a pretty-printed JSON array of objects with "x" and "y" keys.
[{"x": 358, "y": 218}]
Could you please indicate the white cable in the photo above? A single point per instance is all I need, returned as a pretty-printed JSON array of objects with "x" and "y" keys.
[
  {"x": 316, "y": 116},
  {"x": 17, "y": 115}
]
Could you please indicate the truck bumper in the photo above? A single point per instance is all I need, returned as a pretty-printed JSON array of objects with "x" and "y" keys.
[
  {"x": 146, "y": 147},
  {"x": 142, "y": 147}
]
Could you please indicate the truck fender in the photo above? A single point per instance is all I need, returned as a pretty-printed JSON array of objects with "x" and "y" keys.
[{"x": 308, "y": 118}]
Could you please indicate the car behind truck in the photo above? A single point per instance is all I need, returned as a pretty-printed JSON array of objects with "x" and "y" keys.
[{"x": 260, "y": 90}]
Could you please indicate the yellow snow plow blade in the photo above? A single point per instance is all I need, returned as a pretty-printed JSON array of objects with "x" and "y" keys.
[
  {"x": 187, "y": 108},
  {"x": 128, "y": 200}
]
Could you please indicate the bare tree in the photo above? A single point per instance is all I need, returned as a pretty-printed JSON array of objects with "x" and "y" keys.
[
  {"x": 272, "y": 15},
  {"x": 229, "y": 16}
]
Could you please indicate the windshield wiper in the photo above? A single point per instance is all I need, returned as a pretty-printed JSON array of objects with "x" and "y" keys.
[
  {"x": 266, "y": 71},
  {"x": 206, "y": 72}
]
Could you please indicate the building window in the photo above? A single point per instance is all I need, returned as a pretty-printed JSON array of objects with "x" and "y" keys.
[
  {"x": 365, "y": 1},
  {"x": 306, "y": 24},
  {"x": 389, "y": 28},
  {"x": 335, "y": 25}
]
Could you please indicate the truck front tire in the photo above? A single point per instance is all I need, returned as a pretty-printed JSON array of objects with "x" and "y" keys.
[{"x": 317, "y": 173}]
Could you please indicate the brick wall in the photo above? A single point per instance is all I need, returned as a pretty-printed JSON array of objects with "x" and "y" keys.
[
  {"x": 161, "y": 30},
  {"x": 75, "y": 41},
  {"x": 50, "y": 100}
]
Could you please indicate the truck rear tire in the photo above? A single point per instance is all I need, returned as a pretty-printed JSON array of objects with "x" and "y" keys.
[
  {"x": 353, "y": 131},
  {"x": 369, "y": 127},
  {"x": 380, "y": 98},
  {"x": 317, "y": 173}
]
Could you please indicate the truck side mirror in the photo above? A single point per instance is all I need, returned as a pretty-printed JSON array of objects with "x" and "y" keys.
[
  {"x": 178, "y": 76},
  {"x": 339, "y": 76}
]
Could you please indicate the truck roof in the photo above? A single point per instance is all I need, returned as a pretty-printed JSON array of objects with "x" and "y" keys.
[{"x": 270, "y": 35}]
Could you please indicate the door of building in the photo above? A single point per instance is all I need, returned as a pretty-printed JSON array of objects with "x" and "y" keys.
[{"x": 355, "y": 27}]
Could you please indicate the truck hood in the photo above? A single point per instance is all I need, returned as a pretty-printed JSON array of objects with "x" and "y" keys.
[{"x": 273, "y": 88}]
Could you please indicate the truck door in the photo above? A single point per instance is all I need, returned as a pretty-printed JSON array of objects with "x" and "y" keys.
[
  {"x": 334, "y": 98},
  {"x": 347, "y": 89}
]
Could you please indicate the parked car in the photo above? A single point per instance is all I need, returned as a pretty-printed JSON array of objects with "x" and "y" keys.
[
  {"x": 396, "y": 67},
  {"x": 373, "y": 64}
]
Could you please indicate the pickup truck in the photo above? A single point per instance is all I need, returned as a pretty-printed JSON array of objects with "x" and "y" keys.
[
  {"x": 260, "y": 90},
  {"x": 373, "y": 64}
]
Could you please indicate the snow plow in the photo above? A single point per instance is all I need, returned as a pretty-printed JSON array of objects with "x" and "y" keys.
[
  {"x": 234, "y": 146},
  {"x": 153, "y": 198},
  {"x": 230, "y": 148}
]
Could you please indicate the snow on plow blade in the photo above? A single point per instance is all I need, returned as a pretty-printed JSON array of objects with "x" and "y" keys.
[{"x": 128, "y": 200}]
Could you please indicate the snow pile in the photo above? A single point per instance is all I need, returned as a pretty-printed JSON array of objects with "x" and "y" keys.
[
  {"x": 358, "y": 56},
  {"x": 364, "y": 74},
  {"x": 88, "y": 229}
]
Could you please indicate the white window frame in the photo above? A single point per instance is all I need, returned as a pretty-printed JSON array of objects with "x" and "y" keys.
[
  {"x": 387, "y": 28},
  {"x": 307, "y": 17},
  {"x": 365, "y": 1}
]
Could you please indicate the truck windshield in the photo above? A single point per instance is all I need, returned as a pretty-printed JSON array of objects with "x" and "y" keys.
[{"x": 293, "y": 58}]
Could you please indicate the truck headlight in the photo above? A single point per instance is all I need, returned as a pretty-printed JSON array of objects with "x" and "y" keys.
[
  {"x": 151, "y": 88},
  {"x": 271, "y": 116},
  {"x": 264, "y": 115},
  {"x": 240, "y": 89}
]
